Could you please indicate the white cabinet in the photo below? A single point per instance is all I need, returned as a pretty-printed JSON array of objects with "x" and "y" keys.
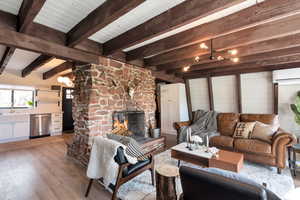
[
  {"x": 21, "y": 129},
  {"x": 14, "y": 128},
  {"x": 56, "y": 124},
  {"x": 173, "y": 106},
  {"x": 6, "y": 131}
]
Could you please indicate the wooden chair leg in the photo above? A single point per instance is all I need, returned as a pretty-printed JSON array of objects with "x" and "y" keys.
[
  {"x": 152, "y": 176},
  {"x": 278, "y": 170},
  {"x": 88, "y": 188}
]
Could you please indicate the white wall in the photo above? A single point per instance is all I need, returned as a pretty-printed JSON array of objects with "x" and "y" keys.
[
  {"x": 286, "y": 96},
  {"x": 34, "y": 80},
  {"x": 257, "y": 96},
  {"x": 257, "y": 93},
  {"x": 199, "y": 94},
  {"x": 225, "y": 93}
]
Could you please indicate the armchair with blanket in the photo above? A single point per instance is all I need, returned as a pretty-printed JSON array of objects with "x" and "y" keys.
[{"x": 110, "y": 163}]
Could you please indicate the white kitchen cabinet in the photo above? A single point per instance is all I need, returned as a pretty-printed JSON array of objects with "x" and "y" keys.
[
  {"x": 6, "y": 131},
  {"x": 56, "y": 124},
  {"x": 173, "y": 106},
  {"x": 14, "y": 128},
  {"x": 21, "y": 129}
]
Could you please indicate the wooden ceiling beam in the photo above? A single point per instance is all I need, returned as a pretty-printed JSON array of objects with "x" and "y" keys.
[
  {"x": 37, "y": 63},
  {"x": 105, "y": 14},
  {"x": 60, "y": 68},
  {"x": 255, "y": 64},
  {"x": 276, "y": 44},
  {"x": 177, "y": 16},
  {"x": 264, "y": 12},
  {"x": 167, "y": 77},
  {"x": 29, "y": 9},
  {"x": 5, "y": 58},
  {"x": 246, "y": 59},
  {"x": 288, "y": 26},
  {"x": 26, "y": 42},
  {"x": 249, "y": 69}
]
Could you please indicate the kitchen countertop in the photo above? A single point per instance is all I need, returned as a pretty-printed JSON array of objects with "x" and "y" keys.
[{"x": 29, "y": 113}]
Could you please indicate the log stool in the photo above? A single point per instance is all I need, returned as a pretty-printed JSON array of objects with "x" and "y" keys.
[{"x": 165, "y": 182}]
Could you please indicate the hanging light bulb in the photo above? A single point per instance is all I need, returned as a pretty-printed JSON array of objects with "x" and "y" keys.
[
  {"x": 186, "y": 68},
  {"x": 65, "y": 80},
  {"x": 235, "y": 60},
  {"x": 197, "y": 59},
  {"x": 219, "y": 58},
  {"x": 203, "y": 46},
  {"x": 233, "y": 52}
]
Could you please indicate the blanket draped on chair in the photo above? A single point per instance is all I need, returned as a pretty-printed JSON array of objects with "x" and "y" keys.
[
  {"x": 102, "y": 163},
  {"x": 204, "y": 124}
]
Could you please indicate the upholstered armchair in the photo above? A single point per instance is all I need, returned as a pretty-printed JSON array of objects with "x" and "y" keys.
[{"x": 127, "y": 171}]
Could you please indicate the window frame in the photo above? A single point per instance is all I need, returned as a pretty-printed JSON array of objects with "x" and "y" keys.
[{"x": 12, "y": 98}]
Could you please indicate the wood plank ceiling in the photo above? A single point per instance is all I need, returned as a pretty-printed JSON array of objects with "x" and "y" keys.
[{"x": 265, "y": 35}]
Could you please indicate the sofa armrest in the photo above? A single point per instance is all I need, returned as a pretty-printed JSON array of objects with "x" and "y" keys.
[
  {"x": 281, "y": 140},
  {"x": 178, "y": 125},
  {"x": 280, "y": 135}
]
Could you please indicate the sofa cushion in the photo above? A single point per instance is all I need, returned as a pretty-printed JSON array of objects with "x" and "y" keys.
[
  {"x": 262, "y": 132},
  {"x": 243, "y": 130},
  {"x": 270, "y": 119},
  {"x": 252, "y": 146},
  {"x": 221, "y": 141},
  {"x": 227, "y": 123}
]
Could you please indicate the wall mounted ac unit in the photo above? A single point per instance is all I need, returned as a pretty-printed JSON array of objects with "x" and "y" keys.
[{"x": 287, "y": 76}]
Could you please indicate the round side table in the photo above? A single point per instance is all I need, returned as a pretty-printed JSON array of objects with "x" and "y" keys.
[{"x": 166, "y": 182}]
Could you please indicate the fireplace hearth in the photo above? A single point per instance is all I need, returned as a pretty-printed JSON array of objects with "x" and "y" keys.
[{"x": 134, "y": 121}]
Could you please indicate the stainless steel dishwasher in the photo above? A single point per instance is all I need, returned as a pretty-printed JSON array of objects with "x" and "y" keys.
[{"x": 40, "y": 125}]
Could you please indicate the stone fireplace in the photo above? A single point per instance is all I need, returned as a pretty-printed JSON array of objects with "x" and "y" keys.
[{"x": 108, "y": 91}]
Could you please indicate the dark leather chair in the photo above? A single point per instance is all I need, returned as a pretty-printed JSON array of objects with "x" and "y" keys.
[
  {"x": 202, "y": 184},
  {"x": 127, "y": 171}
]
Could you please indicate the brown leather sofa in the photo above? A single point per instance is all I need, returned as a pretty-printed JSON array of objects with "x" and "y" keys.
[{"x": 258, "y": 151}]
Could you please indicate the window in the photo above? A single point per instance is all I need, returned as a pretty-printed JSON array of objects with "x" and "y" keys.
[
  {"x": 15, "y": 98},
  {"x": 69, "y": 93}
]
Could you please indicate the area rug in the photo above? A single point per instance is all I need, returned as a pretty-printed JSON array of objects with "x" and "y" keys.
[{"x": 140, "y": 188}]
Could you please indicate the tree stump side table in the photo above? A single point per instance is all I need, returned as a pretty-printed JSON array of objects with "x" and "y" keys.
[{"x": 166, "y": 182}]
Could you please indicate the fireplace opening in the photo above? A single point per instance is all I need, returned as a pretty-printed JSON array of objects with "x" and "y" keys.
[{"x": 129, "y": 123}]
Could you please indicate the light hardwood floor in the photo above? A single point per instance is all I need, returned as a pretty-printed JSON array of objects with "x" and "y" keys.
[
  {"x": 43, "y": 172},
  {"x": 40, "y": 170}
]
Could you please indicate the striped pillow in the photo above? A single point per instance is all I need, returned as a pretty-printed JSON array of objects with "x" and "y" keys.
[{"x": 132, "y": 146}]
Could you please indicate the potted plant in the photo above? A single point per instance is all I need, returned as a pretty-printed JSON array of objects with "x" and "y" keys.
[{"x": 296, "y": 108}]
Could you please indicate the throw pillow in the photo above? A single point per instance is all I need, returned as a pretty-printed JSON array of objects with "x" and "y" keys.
[
  {"x": 262, "y": 132},
  {"x": 132, "y": 146},
  {"x": 243, "y": 129}
]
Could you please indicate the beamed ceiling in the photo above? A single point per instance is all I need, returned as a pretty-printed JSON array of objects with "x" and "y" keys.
[{"x": 52, "y": 37}]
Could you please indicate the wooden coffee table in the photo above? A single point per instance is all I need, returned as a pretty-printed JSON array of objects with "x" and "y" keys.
[{"x": 227, "y": 160}]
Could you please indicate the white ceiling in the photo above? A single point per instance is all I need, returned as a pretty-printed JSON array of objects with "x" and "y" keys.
[
  {"x": 21, "y": 59},
  {"x": 63, "y": 15},
  {"x": 11, "y": 6},
  {"x": 209, "y": 18},
  {"x": 135, "y": 17}
]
